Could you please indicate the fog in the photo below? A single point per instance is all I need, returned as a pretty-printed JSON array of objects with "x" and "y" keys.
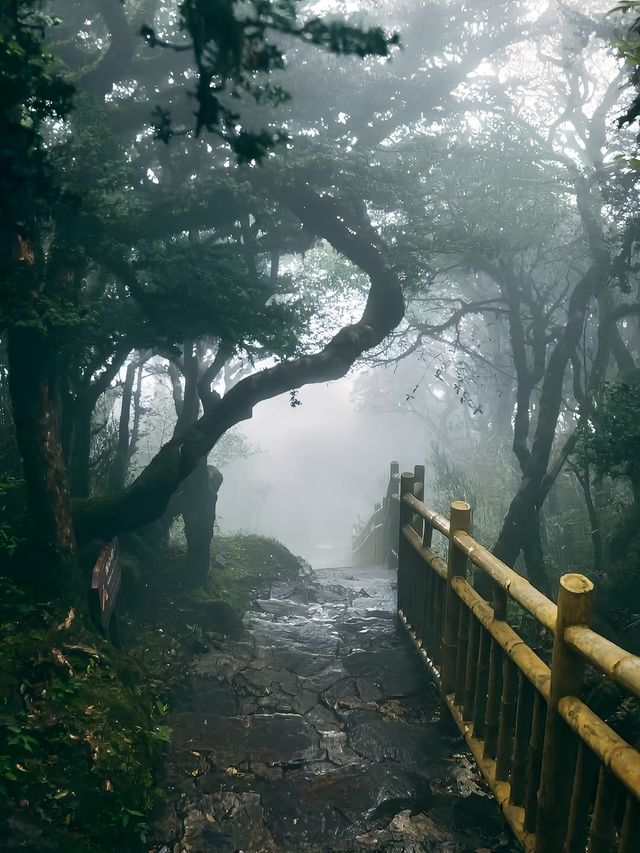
[
  {"x": 424, "y": 210},
  {"x": 252, "y": 253},
  {"x": 317, "y": 470}
]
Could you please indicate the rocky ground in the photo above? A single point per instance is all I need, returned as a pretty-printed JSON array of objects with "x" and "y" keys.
[{"x": 319, "y": 731}]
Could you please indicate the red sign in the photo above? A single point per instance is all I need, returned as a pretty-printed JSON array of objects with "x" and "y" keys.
[{"x": 106, "y": 580}]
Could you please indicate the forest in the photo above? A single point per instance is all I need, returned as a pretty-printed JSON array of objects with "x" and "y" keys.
[{"x": 208, "y": 204}]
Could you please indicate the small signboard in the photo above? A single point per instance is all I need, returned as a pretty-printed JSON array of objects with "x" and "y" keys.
[{"x": 106, "y": 580}]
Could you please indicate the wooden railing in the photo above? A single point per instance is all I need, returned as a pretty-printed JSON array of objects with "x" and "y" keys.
[
  {"x": 565, "y": 780},
  {"x": 377, "y": 542}
]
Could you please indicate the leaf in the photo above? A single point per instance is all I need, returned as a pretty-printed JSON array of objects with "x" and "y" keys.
[{"x": 66, "y": 624}]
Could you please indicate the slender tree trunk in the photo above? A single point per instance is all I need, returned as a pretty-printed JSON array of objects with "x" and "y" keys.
[
  {"x": 137, "y": 412},
  {"x": 37, "y": 418},
  {"x": 118, "y": 472},
  {"x": 198, "y": 495},
  {"x": 534, "y": 556},
  {"x": 583, "y": 477},
  {"x": 520, "y": 528}
]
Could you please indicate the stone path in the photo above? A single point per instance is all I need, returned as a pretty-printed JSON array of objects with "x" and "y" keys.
[{"x": 318, "y": 731}]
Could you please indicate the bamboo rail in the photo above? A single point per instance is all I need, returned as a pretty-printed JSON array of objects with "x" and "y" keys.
[
  {"x": 377, "y": 541},
  {"x": 565, "y": 780}
]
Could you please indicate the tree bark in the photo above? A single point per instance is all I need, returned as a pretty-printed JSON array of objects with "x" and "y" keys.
[
  {"x": 520, "y": 523},
  {"x": 80, "y": 451},
  {"x": 118, "y": 472},
  {"x": 198, "y": 506},
  {"x": 37, "y": 418}
]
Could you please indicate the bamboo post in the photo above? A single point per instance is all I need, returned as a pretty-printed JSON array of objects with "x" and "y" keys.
[
  {"x": 524, "y": 714},
  {"x": 394, "y": 510},
  {"x": 418, "y": 491},
  {"x": 574, "y": 608},
  {"x": 435, "y": 621},
  {"x": 461, "y": 656},
  {"x": 404, "y": 548},
  {"x": 492, "y": 711},
  {"x": 471, "y": 670},
  {"x": 581, "y": 799},
  {"x": 415, "y": 565},
  {"x": 438, "y": 607},
  {"x": 630, "y": 831},
  {"x": 429, "y": 592},
  {"x": 480, "y": 698},
  {"x": 384, "y": 532},
  {"x": 459, "y": 520},
  {"x": 507, "y": 719},
  {"x": 602, "y": 837},
  {"x": 534, "y": 763},
  {"x": 494, "y": 686}
]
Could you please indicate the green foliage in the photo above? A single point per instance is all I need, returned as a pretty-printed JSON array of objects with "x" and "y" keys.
[
  {"x": 12, "y": 512},
  {"x": 196, "y": 289},
  {"x": 485, "y": 482},
  {"x": 234, "y": 56},
  {"x": 242, "y": 565},
  {"x": 80, "y": 730},
  {"x": 628, "y": 49},
  {"x": 611, "y": 438},
  {"x": 233, "y": 445},
  {"x": 31, "y": 94}
]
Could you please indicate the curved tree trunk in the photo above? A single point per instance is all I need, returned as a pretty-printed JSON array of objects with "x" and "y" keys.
[{"x": 147, "y": 497}]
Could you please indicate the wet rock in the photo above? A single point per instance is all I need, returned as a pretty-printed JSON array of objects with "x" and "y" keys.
[
  {"x": 338, "y": 750},
  {"x": 209, "y": 695},
  {"x": 345, "y": 695},
  {"x": 340, "y": 804},
  {"x": 399, "y": 671},
  {"x": 271, "y": 739},
  {"x": 281, "y": 607},
  {"x": 217, "y": 615},
  {"x": 409, "y": 833},
  {"x": 379, "y": 739},
  {"x": 323, "y": 720},
  {"x": 226, "y": 822},
  {"x": 225, "y": 665}
]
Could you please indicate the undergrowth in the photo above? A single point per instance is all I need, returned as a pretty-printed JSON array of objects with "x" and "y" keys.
[{"x": 83, "y": 725}]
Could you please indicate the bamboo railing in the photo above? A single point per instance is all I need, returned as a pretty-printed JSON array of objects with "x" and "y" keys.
[
  {"x": 377, "y": 542},
  {"x": 565, "y": 780}
]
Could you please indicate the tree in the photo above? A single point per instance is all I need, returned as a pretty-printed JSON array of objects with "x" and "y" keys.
[
  {"x": 77, "y": 277},
  {"x": 531, "y": 230}
]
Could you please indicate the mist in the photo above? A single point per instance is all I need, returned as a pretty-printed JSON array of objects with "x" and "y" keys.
[
  {"x": 319, "y": 425},
  {"x": 315, "y": 472}
]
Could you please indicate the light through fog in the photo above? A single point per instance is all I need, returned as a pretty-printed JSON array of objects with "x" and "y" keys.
[{"x": 255, "y": 254}]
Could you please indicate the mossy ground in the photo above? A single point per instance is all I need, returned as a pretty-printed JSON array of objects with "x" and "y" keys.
[{"x": 82, "y": 730}]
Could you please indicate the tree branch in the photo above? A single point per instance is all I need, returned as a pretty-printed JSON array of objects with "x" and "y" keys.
[{"x": 147, "y": 497}]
